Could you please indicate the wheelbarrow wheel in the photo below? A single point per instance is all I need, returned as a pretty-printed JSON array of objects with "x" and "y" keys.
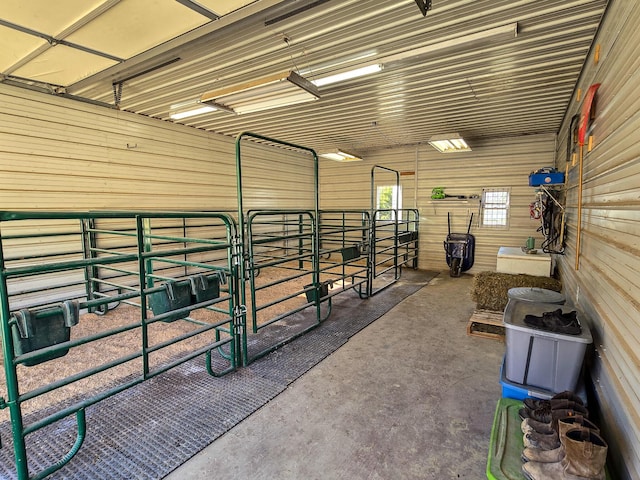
[{"x": 455, "y": 267}]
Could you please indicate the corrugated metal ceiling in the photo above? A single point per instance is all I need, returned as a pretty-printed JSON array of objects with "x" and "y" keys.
[{"x": 486, "y": 88}]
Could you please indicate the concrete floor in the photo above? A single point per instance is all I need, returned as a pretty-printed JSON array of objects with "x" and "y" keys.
[{"x": 411, "y": 396}]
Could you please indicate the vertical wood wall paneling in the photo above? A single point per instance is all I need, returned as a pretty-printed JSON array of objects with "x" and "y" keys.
[
  {"x": 492, "y": 163},
  {"x": 606, "y": 287}
]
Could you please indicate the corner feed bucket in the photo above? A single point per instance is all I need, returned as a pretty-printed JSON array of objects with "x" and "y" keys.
[
  {"x": 349, "y": 253},
  {"x": 540, "y": 358},
  {"x": 205, "y": 287},
  {"x": 312, "y": 295},
  {"x": 174, "y": 296},
  {"x": 35, "y": 330}
]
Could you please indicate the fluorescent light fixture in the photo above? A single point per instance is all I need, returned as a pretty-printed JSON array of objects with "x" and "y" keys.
[
  {"x": 505, "y": 32},
  {"x": 274, "y": 91},
  {"x": 180, "y": 111},
  {"x": 341, "y": 156},
  {"x": 449, "y": 143},
  {"x": 340, "y": 77},
  {"x": 333, "y": 65}
]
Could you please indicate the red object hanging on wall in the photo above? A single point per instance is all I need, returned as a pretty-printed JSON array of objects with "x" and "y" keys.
[{"x": 586, "y": 112}]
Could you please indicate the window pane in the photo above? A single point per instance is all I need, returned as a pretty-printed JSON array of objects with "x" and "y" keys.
[
  {"x": 497, "y": 197},
  {"x": 385, "y": 197},
  {"x": 495, "y": 217},
  {"x": 389, "y": 197},
  {"x": 495, "y": 207}
]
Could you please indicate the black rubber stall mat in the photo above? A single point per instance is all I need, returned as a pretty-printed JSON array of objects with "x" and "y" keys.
[{"x": 149, "y": 430}]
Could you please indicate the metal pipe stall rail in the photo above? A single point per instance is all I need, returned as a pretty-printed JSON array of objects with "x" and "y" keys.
[
  {"x": 383, "y": 255},
  {"x": 276, "y": 255},
  {"x": 408, "y": 241},
  {"x": 344, "y": 251},
  {"x": 394, "y": 244},
  {"x": 282, "y": 273},
  {"x": 131, "y": 252}
]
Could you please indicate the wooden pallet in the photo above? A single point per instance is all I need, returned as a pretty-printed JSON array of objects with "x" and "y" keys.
[{"x": 486, "y": 324}]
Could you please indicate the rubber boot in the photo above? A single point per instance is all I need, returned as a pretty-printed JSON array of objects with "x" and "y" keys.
[{"x": 584, "y": 458}]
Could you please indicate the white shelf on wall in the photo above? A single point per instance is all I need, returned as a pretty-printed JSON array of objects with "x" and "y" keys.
[
  {"x": 470, "y": 205},
  {"x": 454, "y": 200}
]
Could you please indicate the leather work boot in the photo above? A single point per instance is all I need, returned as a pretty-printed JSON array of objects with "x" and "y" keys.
[
  {"x": 577, "y": 421},
  {"x": 535, "y": 454},
  {"x": 547, "y": 413},
  {"x": 529, "y": 425},
  {"x": 541, "y": 441},
  {"x": 584, "y": 457},
  {"x": 534, "y": 404}
]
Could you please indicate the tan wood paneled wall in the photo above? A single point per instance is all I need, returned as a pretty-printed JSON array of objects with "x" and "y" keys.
[
  {"x": 493, "y": 163},
  {"x": 606, "y": 282}
]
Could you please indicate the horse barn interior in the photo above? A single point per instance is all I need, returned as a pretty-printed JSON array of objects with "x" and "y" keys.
[{"x": 249, "y": 239}]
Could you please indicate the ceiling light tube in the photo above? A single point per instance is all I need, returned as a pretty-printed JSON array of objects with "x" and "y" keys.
[
  {"x": 333, "y": 65},
  {"x": 340, "y": 77},
  {"x": 283, "y": 89},
  {"x": 449, "y": 143},
  {"x": 505, "y": 31},
  {"x": 196, "y": 110},
  {"x": 341, "y": 156}
]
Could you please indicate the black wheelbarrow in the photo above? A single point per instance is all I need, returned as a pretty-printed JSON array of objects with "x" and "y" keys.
[{"x": 460, "y": 248}]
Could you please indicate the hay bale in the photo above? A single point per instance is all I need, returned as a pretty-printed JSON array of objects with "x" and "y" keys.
[{"x": 490, "y": 289}]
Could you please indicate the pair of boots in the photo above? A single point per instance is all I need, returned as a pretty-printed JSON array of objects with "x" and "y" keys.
[
  {"x": 556, "y": 321},
  {"x": 564, "y": 404},
  {"x": 582, "y": 455},
  {"x": 541, "y": 436}
]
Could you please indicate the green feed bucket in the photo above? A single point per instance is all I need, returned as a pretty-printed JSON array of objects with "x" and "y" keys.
[
  {"x": 32, "y": 331},
  {"x": 174, "y": 296}
]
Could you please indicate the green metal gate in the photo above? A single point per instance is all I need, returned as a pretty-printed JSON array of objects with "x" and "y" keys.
[
  {"x": 172, "y": 276},
  {"x": 345, "y": 241},
  {"x": 394, "y": 238}
]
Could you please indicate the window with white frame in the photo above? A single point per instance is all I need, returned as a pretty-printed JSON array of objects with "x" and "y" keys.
[
  {"x": 389, "y": 197},
  {"x": 495, "y": 207}
]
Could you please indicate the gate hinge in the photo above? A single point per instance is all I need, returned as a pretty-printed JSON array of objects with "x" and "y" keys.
[
  {"x": 236, "y": 256},
  {"x": 239, "y": 316}
]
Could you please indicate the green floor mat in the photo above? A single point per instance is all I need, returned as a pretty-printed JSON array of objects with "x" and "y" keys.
[
  {"x": 506, "y": 444},
  {"x": 505, "y": 447}
]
